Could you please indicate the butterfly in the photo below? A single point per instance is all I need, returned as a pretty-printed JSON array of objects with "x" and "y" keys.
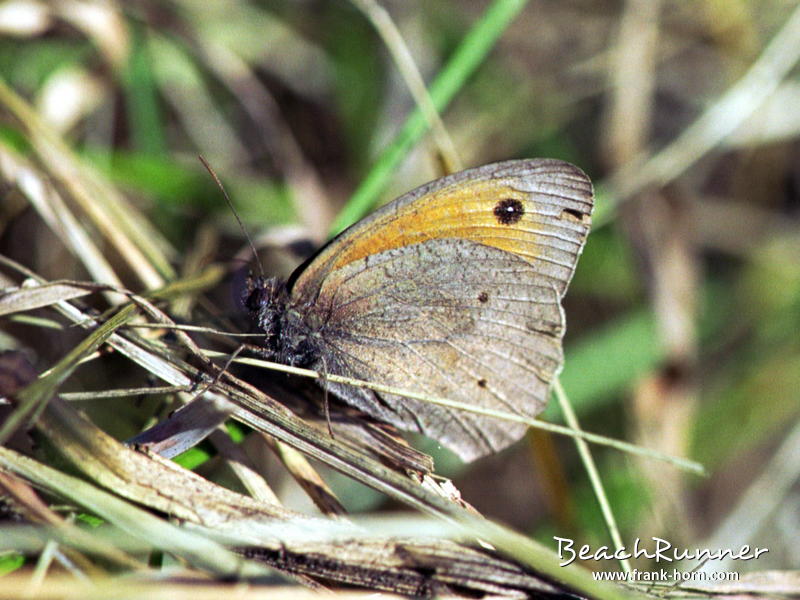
[{"x": 453, "y": 290}]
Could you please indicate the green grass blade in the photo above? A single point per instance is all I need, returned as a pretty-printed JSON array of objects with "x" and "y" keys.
[{"x": 469, "y": 55}]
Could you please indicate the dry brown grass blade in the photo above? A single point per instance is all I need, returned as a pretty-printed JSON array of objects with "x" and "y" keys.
[
  {"x": 253, "y": 481},
  {"x": 63, "y": 587},
  {"x": 195, "y": 549},
  {"x": 50, "y": 205},
  {"x": 659, "y": 230},
  {"x": 139, "y": 244},
  {"x": 307, "y": 477},
  {"x": 102, "y": 461},
  {"x": 632, "y": 82},
  {"x": 199, "y": 255},
  {"x": 719, "y": 121},
  {"x": 28, "y": 298},
  {"x": 382, "y": 563},
  {"x": 28, "y": 504},
  {"x": 147, "y": 480}
]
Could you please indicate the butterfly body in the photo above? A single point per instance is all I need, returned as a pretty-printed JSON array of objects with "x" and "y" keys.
[
  {"x": 452, "y": 290},
  {"x": 291, "y": 332}
]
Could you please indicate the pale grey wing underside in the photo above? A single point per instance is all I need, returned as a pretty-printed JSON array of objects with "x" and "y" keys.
[{"x": 450, "y": 318}]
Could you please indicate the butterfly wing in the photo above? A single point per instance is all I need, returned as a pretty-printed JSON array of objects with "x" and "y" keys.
[
  {"x": 449, "y": 318},
  {"x": 454, "y": 290},
  {"x": 539, "y": 210}
]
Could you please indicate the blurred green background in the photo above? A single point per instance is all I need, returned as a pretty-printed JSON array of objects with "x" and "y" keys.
[{"x": 684, "y": 314}]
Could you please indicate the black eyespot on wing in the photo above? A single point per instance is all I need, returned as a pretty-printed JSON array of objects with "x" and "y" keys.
[
  {"x": 482, "y": 383},
  {"x": 483, "y": 297},
  {"x": 508, "y": 211}
]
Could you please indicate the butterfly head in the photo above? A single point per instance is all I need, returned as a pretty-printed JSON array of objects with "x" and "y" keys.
[{"x": 288, "y": 339}]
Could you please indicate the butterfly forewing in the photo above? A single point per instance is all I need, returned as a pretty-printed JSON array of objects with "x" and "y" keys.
[{"x": 539, "y": 210}]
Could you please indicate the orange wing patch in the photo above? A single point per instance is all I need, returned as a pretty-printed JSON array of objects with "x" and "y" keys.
[
  {"x": 543, "y": 220},
  {"x": 457, "y": 211}
]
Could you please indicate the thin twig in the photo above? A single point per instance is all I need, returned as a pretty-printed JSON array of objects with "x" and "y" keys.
[{"x": 124, "y": 393}]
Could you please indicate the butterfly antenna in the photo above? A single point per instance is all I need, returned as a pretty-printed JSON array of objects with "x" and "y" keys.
[{"x": 235, "y": 214}]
